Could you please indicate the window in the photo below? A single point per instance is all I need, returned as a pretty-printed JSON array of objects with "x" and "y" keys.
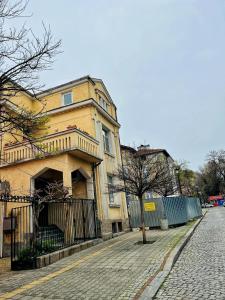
[
  {"x": 103, "y": 103},
  {"x": 128, "y": 198},
  {"x": 110, "y": 189},
  {"x": 67, "y": 98},
  {"x": 148, "y": 195},
  {"x": 106, "y": 139}
]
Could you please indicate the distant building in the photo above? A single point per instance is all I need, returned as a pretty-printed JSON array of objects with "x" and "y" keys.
[{"x": 145, "y": 150}]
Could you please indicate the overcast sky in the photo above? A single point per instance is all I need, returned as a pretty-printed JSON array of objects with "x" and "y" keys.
[{"x": 163, "y": 62}]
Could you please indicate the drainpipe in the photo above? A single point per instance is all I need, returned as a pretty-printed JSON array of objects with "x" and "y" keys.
[
  {"x": 126, "y": 197},
  {"x": 1, "y": 228},
  {"x": 97, "y": 227}
]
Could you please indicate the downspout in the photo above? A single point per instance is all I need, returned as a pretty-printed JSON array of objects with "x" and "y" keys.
[
  {"x": 2, "y": 204},
  {"x": 97, "y": 222},
  {"x": 1, "y": 141},
  {"x": 126, "y": 197}
]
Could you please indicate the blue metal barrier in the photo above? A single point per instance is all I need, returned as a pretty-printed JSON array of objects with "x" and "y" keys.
[{"x": 177, "y": 210}]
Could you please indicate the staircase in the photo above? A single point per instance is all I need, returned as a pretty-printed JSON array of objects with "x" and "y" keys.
[{"x": 51, "y": 238}]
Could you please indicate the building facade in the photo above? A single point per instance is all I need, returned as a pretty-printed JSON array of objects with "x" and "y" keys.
[
  {"x": 170, "y": 185},
  {"x": 79, "y": 146}
]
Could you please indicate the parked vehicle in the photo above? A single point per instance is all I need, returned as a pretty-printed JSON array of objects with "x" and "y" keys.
[{"x": 208, "y": 205}]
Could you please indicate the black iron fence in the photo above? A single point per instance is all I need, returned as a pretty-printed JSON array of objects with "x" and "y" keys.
[
  {"x": 14, "y": 198},
  {"x": 60, "y": 224}
]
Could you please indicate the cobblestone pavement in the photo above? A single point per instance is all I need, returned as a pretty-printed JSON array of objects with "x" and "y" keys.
[
  {"x": 199, "y": 273},
  {"x": 115, "y": 269}
]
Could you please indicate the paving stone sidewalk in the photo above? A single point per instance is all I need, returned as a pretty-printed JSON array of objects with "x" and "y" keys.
[
  {"x": 116, "y": 269},
  {"x": 199, "y": 271}
]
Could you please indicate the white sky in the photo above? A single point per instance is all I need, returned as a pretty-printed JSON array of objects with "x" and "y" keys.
[{"x": 161, "y": 60}]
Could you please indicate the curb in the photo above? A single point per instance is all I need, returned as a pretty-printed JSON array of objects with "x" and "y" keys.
[{"x": 166, "y": 267}]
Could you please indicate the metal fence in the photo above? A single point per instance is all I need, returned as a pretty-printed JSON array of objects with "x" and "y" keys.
[
  {"x": 15, "y": 199},
  {"x": 177, "y": 210},
  {"x": 61, "y": 224}
]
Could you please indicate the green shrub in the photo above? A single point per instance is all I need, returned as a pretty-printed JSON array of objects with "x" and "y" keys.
[{"x": 26, "y": 256}]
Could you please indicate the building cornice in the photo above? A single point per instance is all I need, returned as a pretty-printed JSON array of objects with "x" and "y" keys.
[
  {"x": 70, "y": 84},
  {"x": 66, "y": 85},
  {"x": 87, "y": 102},
  {"x": 9, "y": 105}
]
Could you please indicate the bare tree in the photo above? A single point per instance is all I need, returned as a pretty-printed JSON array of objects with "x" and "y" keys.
[
  {"x": 216, "y": 161},
  {"x": 23, "y": 55},
  {"x": 53, "y": 192},
  {"x": 139, "y": 175},
  {"x": 167, "y": 184}
]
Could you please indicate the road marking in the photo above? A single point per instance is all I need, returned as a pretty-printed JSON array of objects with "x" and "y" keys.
[{"x": 50, "y": 276}]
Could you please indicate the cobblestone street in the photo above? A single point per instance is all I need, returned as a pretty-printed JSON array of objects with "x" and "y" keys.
[
  {"x": 116, "y": 269},
  {"x": 199, "y": 271}
]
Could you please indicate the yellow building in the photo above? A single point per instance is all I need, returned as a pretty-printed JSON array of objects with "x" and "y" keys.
[{"x": 80, "y": 147}]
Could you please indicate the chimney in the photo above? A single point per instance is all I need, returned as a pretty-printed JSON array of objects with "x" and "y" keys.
[{"x": 142, "y": 147}]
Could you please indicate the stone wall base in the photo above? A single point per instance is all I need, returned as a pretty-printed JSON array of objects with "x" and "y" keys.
[
  {"x": 45, "y": 260},
  {"x": 5, "y": 265},
  {"x": 106, "y": 227}
]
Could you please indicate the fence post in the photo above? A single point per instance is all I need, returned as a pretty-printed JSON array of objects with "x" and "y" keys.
[
  {"x": 95, "y": 223},
  {"x": 35, "y": 228},
  {"x": 1, "y": 227},
  {"x": 12, "y": 243},
  {"x": 84, "y": 220}
]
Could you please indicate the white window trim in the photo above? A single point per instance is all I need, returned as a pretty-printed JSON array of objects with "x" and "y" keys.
[
  {"x": 62, "y": 98},
  {"x": 103, "y": 103},
  {"x": 109, "y": 139},
  {"x": 111, "y": 194}
]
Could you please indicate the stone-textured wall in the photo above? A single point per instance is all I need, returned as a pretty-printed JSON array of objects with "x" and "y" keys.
[
  {"x": 5, "y": 265},
  {"x": 106, "y": 227}
]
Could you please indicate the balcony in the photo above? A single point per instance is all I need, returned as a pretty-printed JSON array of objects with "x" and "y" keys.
[{"x": 73, "y": 141}]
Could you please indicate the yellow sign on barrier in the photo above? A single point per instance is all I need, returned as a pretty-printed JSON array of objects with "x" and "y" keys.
[{"x": 149, "y": 206}]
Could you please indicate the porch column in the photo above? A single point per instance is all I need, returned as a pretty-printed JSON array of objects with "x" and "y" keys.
[
  {"x": 90, "y": 188},
  {"x": 67, "y": 180},
  {"x": 32, "y": 186}
]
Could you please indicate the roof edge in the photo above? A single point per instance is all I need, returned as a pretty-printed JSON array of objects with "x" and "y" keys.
[{"x": 83, "y": 78}]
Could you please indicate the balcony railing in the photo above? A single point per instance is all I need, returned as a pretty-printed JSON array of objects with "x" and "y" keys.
[{"x": 73, "y": 140}]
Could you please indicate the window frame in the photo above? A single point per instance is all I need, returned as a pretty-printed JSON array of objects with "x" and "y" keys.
[
  {"x": 110, "y": 184},
  {"x": 106, "y": 139},
  {"x": 63, "y": 99},
  {"x": 103, "y": 103}
]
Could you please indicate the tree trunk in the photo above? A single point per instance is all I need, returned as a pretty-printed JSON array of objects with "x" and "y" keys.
[
  {"x": 35, "y": 235},
  {"x": 142, "y": 220}
]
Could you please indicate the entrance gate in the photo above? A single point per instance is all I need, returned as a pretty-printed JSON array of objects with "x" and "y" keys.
[
  {"x": 7, "y": 223},
  {"x": 67, "y": 222}
]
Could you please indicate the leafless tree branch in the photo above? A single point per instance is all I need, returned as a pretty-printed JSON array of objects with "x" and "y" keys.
[
  {"x": 23, "y": 56},
  {"x": 140, "y": 174}
]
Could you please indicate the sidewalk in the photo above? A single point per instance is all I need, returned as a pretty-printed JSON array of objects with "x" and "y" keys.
[{"x": 116, "y": 269}]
